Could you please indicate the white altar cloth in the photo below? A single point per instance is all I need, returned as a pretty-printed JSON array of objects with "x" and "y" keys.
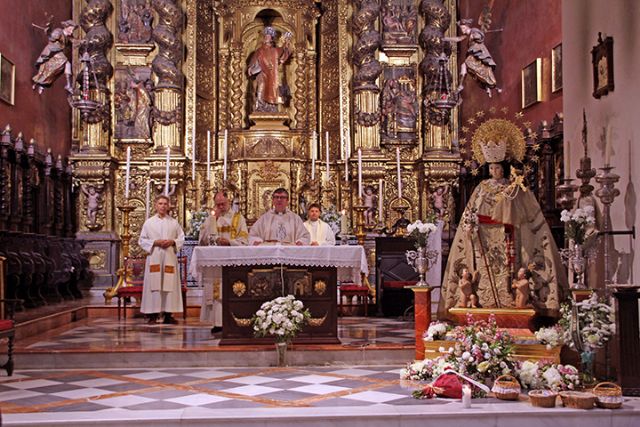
[{"x": 350, "y": 261}]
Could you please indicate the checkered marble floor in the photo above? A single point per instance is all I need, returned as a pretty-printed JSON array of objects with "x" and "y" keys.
[
  {"x": 98, "y": 334},
  {"x": 152, "y": 389}
]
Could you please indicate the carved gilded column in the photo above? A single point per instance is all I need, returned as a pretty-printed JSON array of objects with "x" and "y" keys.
[
  {"x": 167, "y": 109},
  {"x": 235, "y": 76}
]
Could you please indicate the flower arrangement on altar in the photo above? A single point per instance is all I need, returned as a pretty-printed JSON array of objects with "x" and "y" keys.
[
  {"x": 577, "y": 223},
  {"x": 419, "y": 232},
  {"x": 333, "y": 218},
  {"x": 437, "y": 330},
  {"x": 195, "y": 222},
  {"x": 281, "y": 318},
  {"x": 596, "y": 323},
  {"x": 551, "y": 337},
  {"x": 546, "y": 375}
]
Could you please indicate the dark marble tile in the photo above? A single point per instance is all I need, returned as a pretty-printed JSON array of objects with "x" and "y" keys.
[
  {"x": 165, "y": 394},
  {"x": 232, "y": 404},
  {"x": 161, "y": 404},
  {"x": 285, "y": 395},
  {"x": 119, "y": 388},
  {"x": 338, "y": 402},
  {"x": 350, "y": 383},
  {"x": 177, "y": 379},
  {"x": 38, "y": 400},
  {"x": 284, "y": 384},
  {"x": 77, "y": 407},
  {"x": 58, "y": 388}
]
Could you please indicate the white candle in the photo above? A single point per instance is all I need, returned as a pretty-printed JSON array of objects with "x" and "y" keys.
[
  {"x": 346, "y": 170},
  {"x": 607, "y": 147},
  {"x": 239, "y": 178},
  {"x": 208, "y": 157},
  {"x": 166, "y": 175},
  {"x": 466, "y": 396},
  {"x": 147, "y": 199},
  {"x": 126, "y": 180},
  {"x": 567, "y": 162},
  {"x": 313, "y": 155},
  {"x": 359, "y": 172},
  {"x": 399, "y": 174},
  {"x": 380, "y": 194},
  {"x": 343, "y": 224},
  {"x": 326, "y": 175},
  {"x": 343, "y": 154},
  {"x": 193, "y": 154},
  {"x": 224, "y": 149}
]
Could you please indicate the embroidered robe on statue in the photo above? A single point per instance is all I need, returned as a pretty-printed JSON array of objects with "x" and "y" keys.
[
  {"x": 285, "y": 228},
  {"x": 161, "y": 291},
  {"x": 233, "y": 227},
  {"x": 320, "y": 232}
]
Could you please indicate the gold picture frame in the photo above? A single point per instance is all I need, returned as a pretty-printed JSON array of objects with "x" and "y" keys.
[
  {"x": 556, "y": 68},
  {"x": 532, "y": 83},
  {"x": 602, "y": 60},
  {"x": 7, "y": 80}
]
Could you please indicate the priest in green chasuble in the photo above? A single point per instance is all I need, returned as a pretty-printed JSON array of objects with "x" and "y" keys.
[
  {"x": 279, "y": 225},
  {"x": 321, "y": 233},
  {"x": 161, "y": 237}
]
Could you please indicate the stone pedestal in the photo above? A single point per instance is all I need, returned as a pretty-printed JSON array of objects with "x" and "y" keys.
[
  {"x": 422, "y": 305},
  {"x": 269, "y": 121}
]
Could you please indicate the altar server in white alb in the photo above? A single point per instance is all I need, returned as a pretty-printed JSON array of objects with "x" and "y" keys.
[
  {"x": 222, "y": 228},
  {"x": 161, "y": 237},
  {"x": 321, "y": 233},
  {"x": 279, "y": 225}
]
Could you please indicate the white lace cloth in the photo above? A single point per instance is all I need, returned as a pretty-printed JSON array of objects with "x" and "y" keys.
[{"x": 349, "y": 260}]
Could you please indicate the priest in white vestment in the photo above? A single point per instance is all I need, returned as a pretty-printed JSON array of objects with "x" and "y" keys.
[
  {"x": 321, "y": 233},
  {"x": 161, "y": 237},
  {"x": 222, "y": 228},
  {"x": 279, "y": 225}
]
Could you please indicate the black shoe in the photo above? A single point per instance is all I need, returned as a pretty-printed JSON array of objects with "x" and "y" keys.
[
  {"x": 152, "y": 320},
  {"x": 169, "y": 320},
  {"x": 216, "y": 329}
]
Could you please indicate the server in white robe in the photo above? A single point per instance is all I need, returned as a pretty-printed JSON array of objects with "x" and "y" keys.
[
  {"x": 161, "y": 237},
  {"x": 321, "y": 233},
  {"x": 222, "y": 228},
  {"x": 279, "y": 225}
]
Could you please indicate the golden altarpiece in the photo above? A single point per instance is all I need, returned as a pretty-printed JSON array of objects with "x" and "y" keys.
[{"x": 173, "y": 75}]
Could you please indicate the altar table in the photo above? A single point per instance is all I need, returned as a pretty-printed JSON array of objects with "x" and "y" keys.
[{"x": 252, "y": 275}]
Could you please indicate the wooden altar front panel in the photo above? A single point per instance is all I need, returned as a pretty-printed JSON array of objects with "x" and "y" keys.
[{"x": 245, "y": 288}]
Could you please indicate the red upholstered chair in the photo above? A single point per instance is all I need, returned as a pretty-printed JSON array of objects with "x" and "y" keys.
[
  {"x": 351, "y": 290},
  {"x": 8, "y": 330},
  {"x": 135, "y": 279}
]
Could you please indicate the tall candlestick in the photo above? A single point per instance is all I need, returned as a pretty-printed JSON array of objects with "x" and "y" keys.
[
  {"x": 326, "y": 174},
  {"x": 313, "y": 155},
  {"x": 193, "y": 154},
  {"x": 208, "y": 157},
  {"x": 399, "y": 174},
  {"x": 224, "y": 149},
  {"x": 239, "y": 178},
  {"x": 126, "y": 180},
  {"x": 359, "y": 172},
  {"x": 607, "y": 147},
  {"x": 567, "y": 160},
  {"x": 380, "y": 194},
  {"x": 344, "y": 230},
  {"x": 166, "y": 175},
  {"x": 147, "y": 199}
]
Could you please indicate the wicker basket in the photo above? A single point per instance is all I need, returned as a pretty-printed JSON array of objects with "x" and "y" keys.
[
  {"x": 578, "y": 399},
  {"x": 506, "y": 387},
  {"x": 543, "y": 398},
  {"x": 608, "y": 395}
]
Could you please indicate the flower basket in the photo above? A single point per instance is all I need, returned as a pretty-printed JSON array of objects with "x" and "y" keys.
[
  {"x": 543, "y": 398},
  {"x": 608, "y": 395},
  {"x": 506, "y": 387},
  {"x": 578, "y": 399}
]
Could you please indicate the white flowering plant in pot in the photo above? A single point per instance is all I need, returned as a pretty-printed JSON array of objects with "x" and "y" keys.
[
  {"x": 281, "y": 318},
  {"x": 195, "y": 222},
  {"x": 437, "y": 330},
  {"x": 546, "y": 375},
  {"x": 551, "y": 337},
  {"x": 419, "y": 232},
  {"x": 578, "y": 222},
  {"x": 596, "y": 323}
]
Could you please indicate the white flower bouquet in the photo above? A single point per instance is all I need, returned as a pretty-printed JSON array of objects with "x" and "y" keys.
[
  {"x": 419, "y": 232},
  {"x": 550, "y": 376},
  {"x": 437, "y": 330},
  {"x": 578, "y": 222},
  {"x": 552, "y": 337},
  {"x": 596, "y": 323},
  {"x": 281, "y": 318},
  {"x": 196, "y": 221}
]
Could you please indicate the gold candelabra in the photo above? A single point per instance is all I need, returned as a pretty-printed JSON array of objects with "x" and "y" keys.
[
  {"x": 565, "y": 190},
  {"x": 125, "y": 237}
]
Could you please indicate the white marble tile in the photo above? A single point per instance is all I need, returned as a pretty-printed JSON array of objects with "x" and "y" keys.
[
  {"x": 252, "y": 390},
  {"x": 373, "y": 396},
  {"x": 354, "y": 372},
  {"x": 149, "y": 375},
  {"x": 198, "y": 399},
  {"x": 252, "y": 379},
  {"x": 28, "y": 384},
  {"x": 314, "y": 379},
  {"x": 14, "y": 377},
  {"x": 209, "y": 374},
  {"x": 82, "y": 393},
  {"x": 121, "y": 401},
  {"x": 18, "y": 394},
  {"x": 97, "y": 382},
  {"x": 319, "y": 389}
]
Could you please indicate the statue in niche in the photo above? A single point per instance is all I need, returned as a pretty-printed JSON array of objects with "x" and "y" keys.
[
  {"x": 53, "y": 60},
  {"x": 438, "y": 200},
  {"x": 93, "y": 196},
  {"x": 369, "y": 200},
  {"x": 133, "y": 103},
  {"x": 266, "y": 64},
  {"x": 135, "y": 21},
  {"x": 399, "y": 22},
  {"x": 399, "y": 106}
]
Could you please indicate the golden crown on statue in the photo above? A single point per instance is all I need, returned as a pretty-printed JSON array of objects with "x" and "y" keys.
[{"x": 494, "y": 152}]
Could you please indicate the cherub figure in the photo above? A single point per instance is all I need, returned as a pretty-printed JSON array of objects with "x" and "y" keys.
[
  {"x": 53, "y": 60},
  {"x": 438, "y": 199},
  {"x": 93, "y": 202},
  {"x": 466, "y": 297},
  {"x": 521, "y": 286},
  {"x": 369, "y": 200}
]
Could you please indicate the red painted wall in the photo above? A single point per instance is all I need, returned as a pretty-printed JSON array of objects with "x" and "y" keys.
[
  {"x": 531, "y": 28},
  {"x": 46, "y": 117}
]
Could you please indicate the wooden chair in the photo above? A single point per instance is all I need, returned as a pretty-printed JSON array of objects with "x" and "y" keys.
[
  {"x": 134, "y": 268},
  {"x": 8, "y": 330},
  {"x": 349, "y": 291}
]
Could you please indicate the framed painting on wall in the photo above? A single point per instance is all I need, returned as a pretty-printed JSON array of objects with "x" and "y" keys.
[
  {"x": 532, "y": 83},
  {"x": 602, "y": 59},
  {"x": 556, "y": 68},
  {"x": 7, "y": 80}
]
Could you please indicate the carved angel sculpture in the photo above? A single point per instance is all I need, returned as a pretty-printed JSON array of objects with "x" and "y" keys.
[{"x": 53, "y": 60}]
